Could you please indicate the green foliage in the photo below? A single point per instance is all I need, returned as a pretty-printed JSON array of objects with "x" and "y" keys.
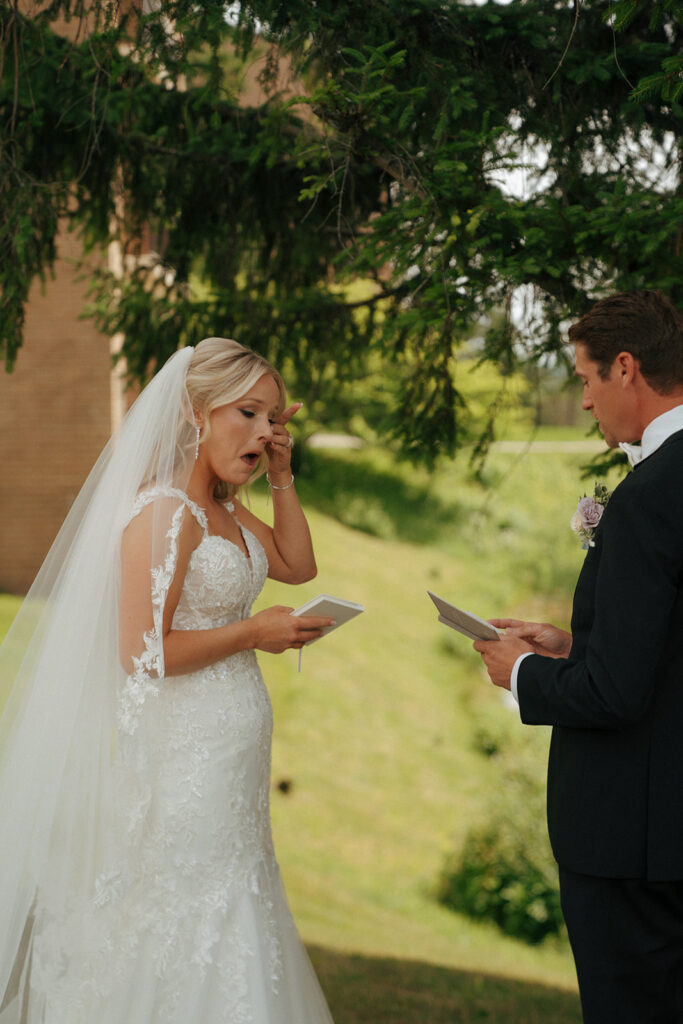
[
  {"x": 499, "y": 880},
  {"x": 666, "y": 15},
  {"x": 392, "y": 165},
  {"x": 486, "y": 400},
  {"x": 505, "y": 871}
]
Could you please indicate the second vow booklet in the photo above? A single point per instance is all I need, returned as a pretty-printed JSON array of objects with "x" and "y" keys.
[{"x": 465, "y": 622}]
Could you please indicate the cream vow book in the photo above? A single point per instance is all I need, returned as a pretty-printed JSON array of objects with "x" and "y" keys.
[
  {"x": 331, "y": 608},
  {"x": 465, "y": 622}
]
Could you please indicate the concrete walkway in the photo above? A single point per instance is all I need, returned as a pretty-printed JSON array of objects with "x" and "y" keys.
[{"x": 587, "y": 447}]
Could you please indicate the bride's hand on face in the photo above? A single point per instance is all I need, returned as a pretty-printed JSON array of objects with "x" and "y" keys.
[
  {"x": 280, "y": 445},
  {"x": 276, "y": 629}
]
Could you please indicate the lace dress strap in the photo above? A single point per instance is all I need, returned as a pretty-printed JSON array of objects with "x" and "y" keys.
[
  {"x": 145, "y": 498},
  {"x": 149, "y": 667}
]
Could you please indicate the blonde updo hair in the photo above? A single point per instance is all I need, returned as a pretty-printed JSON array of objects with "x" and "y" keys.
[{"x": 223, "y": 371}]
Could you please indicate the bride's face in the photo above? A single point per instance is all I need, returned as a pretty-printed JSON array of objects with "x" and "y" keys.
[{"x": 240, "y": 432}]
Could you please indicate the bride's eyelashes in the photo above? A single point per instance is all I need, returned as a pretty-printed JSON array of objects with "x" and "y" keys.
[{"x": 249, "y": 413}]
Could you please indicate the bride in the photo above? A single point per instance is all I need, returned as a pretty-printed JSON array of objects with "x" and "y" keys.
[{"x": 139, "y": 883}]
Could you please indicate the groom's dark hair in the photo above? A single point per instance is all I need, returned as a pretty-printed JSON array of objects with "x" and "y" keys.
[{"x": 644, "y": 323}]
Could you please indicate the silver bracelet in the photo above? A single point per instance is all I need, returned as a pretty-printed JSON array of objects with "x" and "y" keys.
[{"x": 275, "y": 487}]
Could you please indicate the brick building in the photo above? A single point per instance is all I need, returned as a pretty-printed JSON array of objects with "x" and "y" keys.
[
  {"x": 57, "y": 407},
  {"x": 56, "y": 413}
]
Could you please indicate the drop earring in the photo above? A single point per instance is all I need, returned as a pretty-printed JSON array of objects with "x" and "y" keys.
[{"x": 196, "y": 444}]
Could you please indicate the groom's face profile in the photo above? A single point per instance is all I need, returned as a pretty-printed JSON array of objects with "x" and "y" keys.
[{"x": 606, "y": 398}]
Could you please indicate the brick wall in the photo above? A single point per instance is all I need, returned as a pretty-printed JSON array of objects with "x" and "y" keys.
[{"x": 54, "y": 419}]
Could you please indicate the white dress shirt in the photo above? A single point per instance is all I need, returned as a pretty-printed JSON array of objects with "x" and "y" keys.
[{"x": 654, "y": 435}]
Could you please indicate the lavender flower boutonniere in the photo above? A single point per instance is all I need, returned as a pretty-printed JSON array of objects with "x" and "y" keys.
[{"x": 588, "y": 514}]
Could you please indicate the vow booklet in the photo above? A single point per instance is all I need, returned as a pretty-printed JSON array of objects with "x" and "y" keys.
[
  {"x": 331, "y": 608},
  {"x": 465, "y": 623}
]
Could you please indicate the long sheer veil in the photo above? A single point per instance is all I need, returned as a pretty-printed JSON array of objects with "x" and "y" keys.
[{"x": 61, "y": 679}]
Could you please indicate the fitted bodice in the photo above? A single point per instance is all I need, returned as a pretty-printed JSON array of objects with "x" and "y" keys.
[
  {"x": 214, "y": 723},
  {"x": 221, "y": 583}
]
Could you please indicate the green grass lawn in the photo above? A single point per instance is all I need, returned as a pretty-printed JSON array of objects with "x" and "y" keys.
[
  {"x": 377, "y": 772},
  {"x": 8, "y": 609},
  {"x": 377, "y": 736}
]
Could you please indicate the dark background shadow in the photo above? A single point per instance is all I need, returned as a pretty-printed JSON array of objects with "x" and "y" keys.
[
  {"x": 372, "y": 500},
  {"x": 370, "y": 990}
]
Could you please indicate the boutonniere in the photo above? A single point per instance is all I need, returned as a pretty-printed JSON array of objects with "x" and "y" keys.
[{"x": 588, "y": 514}]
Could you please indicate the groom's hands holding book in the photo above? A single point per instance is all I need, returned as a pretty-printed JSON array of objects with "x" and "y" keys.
[
  {"x": 520, "y": 638},
  {"x": 500, "y": 655},
  {"x": 545, "y": 639},
  {"x": 502, "y": 641}
]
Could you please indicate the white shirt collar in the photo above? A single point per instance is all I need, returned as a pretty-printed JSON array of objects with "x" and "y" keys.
[
  {"x": 657, "y": 430},
  {"x": 656, "y": 433}
]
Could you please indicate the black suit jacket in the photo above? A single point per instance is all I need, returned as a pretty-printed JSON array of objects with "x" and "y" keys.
[{"x": 615, "y": 775}]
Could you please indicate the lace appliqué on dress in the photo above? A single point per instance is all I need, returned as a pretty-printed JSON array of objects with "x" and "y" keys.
[{"x": 140, "y": 685}]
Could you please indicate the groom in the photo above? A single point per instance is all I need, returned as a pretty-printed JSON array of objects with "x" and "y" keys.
[{"x": 613, "y": 688}]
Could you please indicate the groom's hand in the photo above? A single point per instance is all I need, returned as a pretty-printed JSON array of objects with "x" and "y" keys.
[
  {"x": 499, "y": 656},
  {"x": 545, "y": 639}
]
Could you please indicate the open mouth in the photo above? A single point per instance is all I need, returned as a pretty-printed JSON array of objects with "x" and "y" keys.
[{"x": 251, "y": 458}]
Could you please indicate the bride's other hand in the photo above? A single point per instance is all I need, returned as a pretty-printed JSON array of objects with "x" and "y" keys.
[
  {"x": 545, "y": 639},
  {"x": 276, "y": 630}
]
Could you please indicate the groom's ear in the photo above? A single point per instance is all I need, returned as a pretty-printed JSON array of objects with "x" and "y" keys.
[{"x": 627, "y": 367}]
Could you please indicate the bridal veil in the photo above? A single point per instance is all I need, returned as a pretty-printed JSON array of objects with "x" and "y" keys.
[{"x": 61, "y": 679}]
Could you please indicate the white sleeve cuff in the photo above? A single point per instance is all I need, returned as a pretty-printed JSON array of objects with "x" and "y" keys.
[{"x": 515, "y": 673}]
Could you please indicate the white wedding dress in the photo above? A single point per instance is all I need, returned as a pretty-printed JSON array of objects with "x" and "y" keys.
[{"x": 188, "y": 924}]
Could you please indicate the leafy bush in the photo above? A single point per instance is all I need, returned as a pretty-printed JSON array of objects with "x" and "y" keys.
[{"x": 505, "y": 871}]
